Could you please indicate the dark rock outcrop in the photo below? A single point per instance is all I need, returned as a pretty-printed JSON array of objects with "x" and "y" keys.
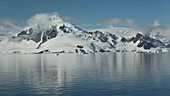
[
  {"x": 65, "y": 29},
  {"x": 144, "y": 41},
  {"x": 102, "y": 50},
  {"x": 38, "y": 36},
  {"x": 79, "y": 46},
  {"x": 137, "y": 37},
  {"x": 148, "y": 45},
  {"x": 141, "y": 43},
  {"x": 123, "y": 39},
  {"x": 49, "y": 34}
]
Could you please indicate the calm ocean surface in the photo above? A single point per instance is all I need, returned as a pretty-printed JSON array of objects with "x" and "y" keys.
[{"x": 96, "y": 74}]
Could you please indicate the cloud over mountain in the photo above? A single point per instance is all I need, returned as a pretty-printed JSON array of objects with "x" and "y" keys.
[
  {"x": 10, "y": 26},
  {"x": 119, "y": 22}
]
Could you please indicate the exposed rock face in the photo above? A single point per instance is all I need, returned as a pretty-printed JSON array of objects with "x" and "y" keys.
[
  {"x": 124, "y": 39},
  {"x": 79, "y": 46},
  {"x": 137, "y": 37},
  {"x": 168, "y": 45},
  {"x": 93, "y": 47},
  {"x": 144, "y": 41},
  {"x": 49, "y": 34},
  {"x": 30, "y": 34},
  {"x": 37, "y": 37},
  {"x": 65, "y": 29},
  {"x": 102, "y": 50},
  {"x": 104, "y": 37},
  {"x": 141, "y": 43},
  {"x": 148, "y": 45}
]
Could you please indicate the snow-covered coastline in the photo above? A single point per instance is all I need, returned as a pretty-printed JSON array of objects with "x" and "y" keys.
[{"x": 49, "y": 34}]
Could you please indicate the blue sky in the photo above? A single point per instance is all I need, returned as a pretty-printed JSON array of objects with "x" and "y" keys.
[{"x": 90, "y": 11}]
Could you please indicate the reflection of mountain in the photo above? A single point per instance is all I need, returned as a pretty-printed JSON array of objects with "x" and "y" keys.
[{"x": 75, "y": 74}]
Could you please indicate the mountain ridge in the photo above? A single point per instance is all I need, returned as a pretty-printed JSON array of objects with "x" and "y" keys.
[{"x": 52, "y": 33}]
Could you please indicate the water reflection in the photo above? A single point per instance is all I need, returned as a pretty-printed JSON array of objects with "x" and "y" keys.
[{"x": 91, "y": 74}]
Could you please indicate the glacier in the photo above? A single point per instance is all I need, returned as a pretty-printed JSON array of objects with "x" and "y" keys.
[{"x": 48, "y": 33}]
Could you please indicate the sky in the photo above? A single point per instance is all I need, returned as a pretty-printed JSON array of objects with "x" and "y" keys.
[{"x": 91, "y": 12}]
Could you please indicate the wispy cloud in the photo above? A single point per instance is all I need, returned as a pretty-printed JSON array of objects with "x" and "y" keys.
[
  {"x": 68, "y": 18},
  {"x": 42, "y": 21},
  {"x": 10, "y": 26},
  {"x": 154, "y": 28},
  {"x": 147, "y": 29},
  {"x": 118, "y": 22}
]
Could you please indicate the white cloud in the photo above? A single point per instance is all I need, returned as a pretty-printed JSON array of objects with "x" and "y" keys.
[
  {"x": 147, "y": 29},
  {"x": 2, "y": 28},
  {"x": 68, "y": 19},
  {"x": 9, "y": 23},
  {"x": 118, "y": 22},
  {"x": 10, "y": 26},
  {"x": 154, "y": 28},
  {"x": 44, "y": 20},
  {"x": 156, "y": 23}
]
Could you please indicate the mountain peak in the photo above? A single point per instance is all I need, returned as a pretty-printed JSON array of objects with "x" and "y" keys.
[{"x": 44, "y": 21}]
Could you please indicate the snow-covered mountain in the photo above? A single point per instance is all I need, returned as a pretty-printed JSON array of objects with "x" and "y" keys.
[{"x": 49, "y": 33}]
